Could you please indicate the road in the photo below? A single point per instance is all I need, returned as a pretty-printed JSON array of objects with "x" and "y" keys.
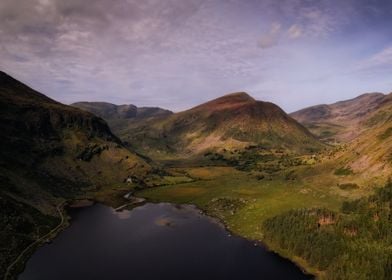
[{"x": 9, "y": 269}]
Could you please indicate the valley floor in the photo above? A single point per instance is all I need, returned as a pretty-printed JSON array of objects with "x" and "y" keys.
[{"x": 243, "y": 202}]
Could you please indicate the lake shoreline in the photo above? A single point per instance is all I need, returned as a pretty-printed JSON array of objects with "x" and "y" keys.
[
  {"x": 19, "y": 265},
  {"x": 307, "y": 270},
  {"x": 140, "y": 201}
]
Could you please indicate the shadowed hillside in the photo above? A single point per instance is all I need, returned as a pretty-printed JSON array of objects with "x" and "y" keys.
[{"x": 49, "y": 152}]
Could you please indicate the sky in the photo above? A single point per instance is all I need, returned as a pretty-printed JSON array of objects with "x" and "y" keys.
[{"x": 178, "y": 53}]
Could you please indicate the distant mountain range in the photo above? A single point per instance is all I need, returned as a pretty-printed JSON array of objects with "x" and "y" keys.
[
  {"x": 119, "y": 116},
  {"x": 233, "y": 121},
  {"x": 363, "y": 124},
  {"x": 340, "y": 121}
]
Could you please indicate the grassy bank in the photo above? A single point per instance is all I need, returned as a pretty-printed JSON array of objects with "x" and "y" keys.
[{"x": 243, "y": 202}]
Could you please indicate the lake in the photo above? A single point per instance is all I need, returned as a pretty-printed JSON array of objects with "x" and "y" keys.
[{"x": 153, "y": 241}]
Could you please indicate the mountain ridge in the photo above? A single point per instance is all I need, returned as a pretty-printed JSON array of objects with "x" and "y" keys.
[
  {"x": 108, "y": 110},
  {"x": 341, "y": 120},
  {"x": 228, "y": 122},
  {"x": 120, "y": 117}
]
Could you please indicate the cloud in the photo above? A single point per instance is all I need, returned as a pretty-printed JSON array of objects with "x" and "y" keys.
[
  {"x": 377, "y": 62},
  {"x": 317, "y": 22},
  {"x": 176, "y": 53},
  {"x": 271, "y": 38},
  {"x": 295, "y": 31},
  {"x": 384, "y": 57},
  {"x": 301, "y": 19}
]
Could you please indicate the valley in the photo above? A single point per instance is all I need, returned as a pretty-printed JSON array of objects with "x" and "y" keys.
[
  {"x": 248, "y": 188},
  {"x": 243, "y": 161}
]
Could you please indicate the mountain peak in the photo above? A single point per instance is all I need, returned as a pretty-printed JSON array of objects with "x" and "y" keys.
[
  {"x": 228, "y": 101},
  {"x": 229, "y": 122},
  {"x": 241, "y": 94},
  {"x": 236, "y": 97}
]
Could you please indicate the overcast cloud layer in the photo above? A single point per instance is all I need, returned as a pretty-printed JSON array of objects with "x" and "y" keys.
[{"x": 177, "y": 53}]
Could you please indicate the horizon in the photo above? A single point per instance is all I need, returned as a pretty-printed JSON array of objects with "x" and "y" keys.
[
  {"x": 202, "y": 102},
  {"x": 176, "y": 55}
]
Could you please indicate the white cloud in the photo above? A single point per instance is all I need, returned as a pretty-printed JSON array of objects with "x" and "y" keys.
[
  {"x": 375, "y": 68},
  {"x": 271, "y": 38},
  {"x": 295, "y": 31},
  {"x": 378, "y": 60}
]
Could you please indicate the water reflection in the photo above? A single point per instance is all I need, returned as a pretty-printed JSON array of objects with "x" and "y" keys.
[{"x": 153, "y": 241}]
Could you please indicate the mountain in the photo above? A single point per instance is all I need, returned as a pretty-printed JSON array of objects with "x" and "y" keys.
[
  {"x": 119, "y": 117},
  {"x": 370, "y": 152},
  {"x": 231, "y": 122},
  {"x": 363, "y": 127},
  {"x": 342, "y": 120},
  {"x": 50, "y": 152}
]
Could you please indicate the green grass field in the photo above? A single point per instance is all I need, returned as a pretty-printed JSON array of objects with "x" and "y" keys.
[
  {"x": 243, "y": 201},
  {"x": 239, "y": 199}
]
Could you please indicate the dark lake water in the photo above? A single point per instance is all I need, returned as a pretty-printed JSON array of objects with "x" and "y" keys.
[{"x": 153, "y": 241}]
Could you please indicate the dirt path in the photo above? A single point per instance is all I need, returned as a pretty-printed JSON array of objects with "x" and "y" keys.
[{"x": 9, "y": 269}]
